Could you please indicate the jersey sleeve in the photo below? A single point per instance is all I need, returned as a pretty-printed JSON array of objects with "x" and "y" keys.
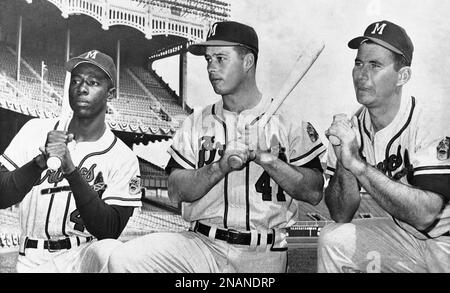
[
  {"x": 431, "y": 165},
  {"x": 20, "y": 150},
  {"x": 305, "y": 144},
  {"x": 331, "y": 161},
  {"x": 182, "y": 150},
  {"x": 123, "y": 186},
  {"x": 431, "y": 172}
]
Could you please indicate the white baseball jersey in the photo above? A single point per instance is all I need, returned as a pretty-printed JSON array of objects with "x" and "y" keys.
[
  {"x": 48, "y": 211},
  {"x": 248, "y": 199},
  {"x": 406, "y": 151}
]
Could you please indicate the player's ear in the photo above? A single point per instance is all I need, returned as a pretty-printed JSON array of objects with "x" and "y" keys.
[
  {"x": 404, "y": 75},
  {"x": 111, "y": 93},
  {"x": 249, "y": 61}
]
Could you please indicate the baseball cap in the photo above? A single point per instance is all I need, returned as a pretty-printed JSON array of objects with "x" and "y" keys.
[
  {"x": 227, "y": 33},
  {"x": 388, "y": 35},
  {"x": 97, "y": 58}
]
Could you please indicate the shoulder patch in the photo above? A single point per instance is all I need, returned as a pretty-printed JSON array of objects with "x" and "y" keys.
[
  {"x": 443, "y": 149},
  {"x": 313, "y": 135},
  {"x": 134, "y": 186}
]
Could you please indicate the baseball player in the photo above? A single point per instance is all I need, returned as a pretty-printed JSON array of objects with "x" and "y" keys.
[
  {"x": 92, "y": 195},
  {"x": 387, "y": 151},
  {"x": 238, "y": 216}
]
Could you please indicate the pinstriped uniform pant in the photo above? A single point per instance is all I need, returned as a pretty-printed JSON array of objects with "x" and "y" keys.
[{"x": 190, "y": 252}]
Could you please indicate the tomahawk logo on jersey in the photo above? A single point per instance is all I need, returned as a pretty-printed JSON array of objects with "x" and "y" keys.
[
  {"x": 107, "y": 165},
  {"x": 255, "y": 201}
]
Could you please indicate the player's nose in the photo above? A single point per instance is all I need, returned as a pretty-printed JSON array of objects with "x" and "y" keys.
[
  {"x": 212, "y": 67},
  {"x": 83, "y": 88},
  {"x": 361, "y": 73}
]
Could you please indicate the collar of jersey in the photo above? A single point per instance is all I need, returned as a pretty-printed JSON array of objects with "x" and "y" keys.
[
  {"x": 258, "y": 110},
  {"x": 103, "y": 142},
  {"x": 399, "y": 120}
]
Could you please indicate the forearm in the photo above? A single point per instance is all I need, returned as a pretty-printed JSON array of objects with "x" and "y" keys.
[
  {"x": 414, "y": 206},
  {"x": 101, "y": 220},
  {"x": 300, "y": 183},
  {"x": 342, "y": 195},
  {"x": 15, "y": 185},
  {"x": 191, "y": 185}
]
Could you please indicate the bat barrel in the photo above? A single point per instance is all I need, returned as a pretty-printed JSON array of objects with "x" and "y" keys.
[{"x": 303, "y": 63}]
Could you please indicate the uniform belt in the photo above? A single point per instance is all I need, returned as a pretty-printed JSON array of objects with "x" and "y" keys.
[
  {"x": 53, "y": 245},
  {"x": 231, "y": 236}
]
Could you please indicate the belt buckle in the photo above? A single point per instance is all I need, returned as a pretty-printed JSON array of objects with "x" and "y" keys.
[
  {"x": 57, "y": 245},
  {"x": 232, "y": 236}
]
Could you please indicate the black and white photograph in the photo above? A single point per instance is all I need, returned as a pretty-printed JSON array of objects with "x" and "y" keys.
[{"x": 225, "y": 143}]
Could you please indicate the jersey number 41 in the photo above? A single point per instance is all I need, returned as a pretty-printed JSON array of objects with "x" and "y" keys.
[{"x": 263, "y": 184}]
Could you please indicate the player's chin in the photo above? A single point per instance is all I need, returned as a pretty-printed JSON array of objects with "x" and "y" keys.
[
  {"x": 364, "y": 97},
  {"x": 218, "y": 89},
  {"x": 82, "y": 112}
]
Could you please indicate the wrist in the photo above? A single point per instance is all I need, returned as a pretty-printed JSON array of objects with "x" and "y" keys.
[
  {"x": 358, "y": 167},
  {"x": 40, "y": 162},
  {"x": 219, "y": 168},
  {"x": 68, "y": 170}
]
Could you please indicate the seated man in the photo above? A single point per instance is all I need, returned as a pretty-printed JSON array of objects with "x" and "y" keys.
[
  {"x": 387, "y": 150},
  {"x": 238, "y": 214},
  {"x": 93, "y": 193}
]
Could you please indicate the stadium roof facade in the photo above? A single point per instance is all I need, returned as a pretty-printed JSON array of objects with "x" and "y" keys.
[
  {"x": 134, "y": 32},
  {"x": 185, "y": 18}
]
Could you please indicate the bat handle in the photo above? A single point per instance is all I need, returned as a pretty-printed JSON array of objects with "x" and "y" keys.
[
  {"x": 235, "y": 162},
  {"x": 54, "y": 163}
]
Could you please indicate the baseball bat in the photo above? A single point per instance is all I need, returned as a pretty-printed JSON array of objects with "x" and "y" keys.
[
  {"x": 301, "y": 66},
  {"x": 54, "y": 163}
]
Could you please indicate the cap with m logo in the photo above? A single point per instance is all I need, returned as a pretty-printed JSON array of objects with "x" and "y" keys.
[
  {"x": 212, "y": 30},
  {"x": 97, "y": 58},
  {"x": 91, "y": 54},
  {"x": 388, "y": 35},
  {"x": 227, "y": 33}
]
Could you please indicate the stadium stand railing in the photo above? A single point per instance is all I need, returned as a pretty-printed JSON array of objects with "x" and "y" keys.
[
  {"x": 135, "y": 108},
  {"x": 160, "y": 90}
]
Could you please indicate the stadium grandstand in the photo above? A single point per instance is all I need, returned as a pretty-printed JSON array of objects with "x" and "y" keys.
[{"x": 38, "y": 36}]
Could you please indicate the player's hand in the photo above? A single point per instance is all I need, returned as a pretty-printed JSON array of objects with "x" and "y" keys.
[
  {"x": 56, "y": 146},
  {"x": 235, "y": 148},
  {"x": 347, "y": 149},
  {"x": 262, "y": 152},
  {"x": 41, "y": 159}
]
